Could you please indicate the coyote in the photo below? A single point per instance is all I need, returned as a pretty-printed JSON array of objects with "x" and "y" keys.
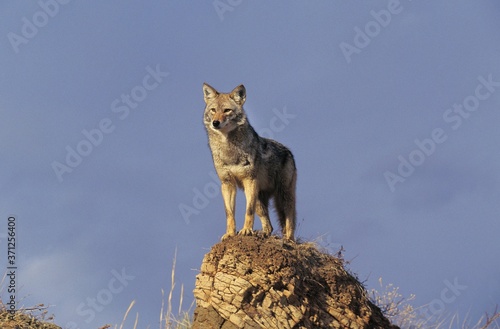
[{"x": 263, "y": 167}]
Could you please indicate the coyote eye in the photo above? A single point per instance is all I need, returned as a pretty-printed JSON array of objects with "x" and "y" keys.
[
  {"x": 227, "y": 110},
  {"x": 212, "y": 110}
]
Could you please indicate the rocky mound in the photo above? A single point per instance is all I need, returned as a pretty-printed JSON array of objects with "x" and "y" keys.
[{"x": 256, "y": 282}]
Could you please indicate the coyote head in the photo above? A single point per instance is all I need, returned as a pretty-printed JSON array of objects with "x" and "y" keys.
[{"x": 224, "y": 112}]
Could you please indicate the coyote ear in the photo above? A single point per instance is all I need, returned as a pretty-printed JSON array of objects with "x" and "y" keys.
[
  {"x": 209, "y": 92},
  {"x": 239, "y": 94}
]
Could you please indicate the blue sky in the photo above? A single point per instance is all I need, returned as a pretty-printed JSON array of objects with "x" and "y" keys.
[{"x": 390, "y": 108}]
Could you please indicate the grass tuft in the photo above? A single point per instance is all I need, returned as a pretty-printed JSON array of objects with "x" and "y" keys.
[
  {"x": 169, "y": 320},
  {"x": 402, "y": 313}
]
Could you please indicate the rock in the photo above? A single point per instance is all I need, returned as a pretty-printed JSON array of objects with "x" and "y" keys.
[{"x": 254, "y": 282}]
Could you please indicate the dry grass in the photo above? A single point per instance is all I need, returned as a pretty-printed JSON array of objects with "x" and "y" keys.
[
  {"x": 402, "y": 313},
  {"x": 38, "y": 316},
  {"x": 25, "y": 317},
  {"x": 168, "y": 318}
]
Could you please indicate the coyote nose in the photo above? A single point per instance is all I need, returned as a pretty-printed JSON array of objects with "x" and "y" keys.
[{"x": 216, "y": 123}]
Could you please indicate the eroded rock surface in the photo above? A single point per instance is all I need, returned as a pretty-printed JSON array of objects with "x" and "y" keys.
[{"x": 256, "y": 282}]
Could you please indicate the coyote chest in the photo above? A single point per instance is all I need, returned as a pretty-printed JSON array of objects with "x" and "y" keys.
[{"x": 232, "y": 160}]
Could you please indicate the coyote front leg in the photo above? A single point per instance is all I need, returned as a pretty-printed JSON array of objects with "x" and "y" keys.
[
  {"x": 251, "y": 192},
  {"x": 229, "y": 196}
]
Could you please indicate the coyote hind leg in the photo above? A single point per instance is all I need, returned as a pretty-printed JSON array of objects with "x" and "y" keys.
[
  {"x": 262, "y": 210},
  {"x": 285, "y": 207}
]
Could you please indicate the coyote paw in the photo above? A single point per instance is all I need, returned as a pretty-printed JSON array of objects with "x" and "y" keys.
[
  {"x": 267, "y": 232},
  {"x": 246, "y": 231},
  {"x": 227, "y": 235}
]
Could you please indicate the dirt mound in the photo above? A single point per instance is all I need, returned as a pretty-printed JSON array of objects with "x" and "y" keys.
[
  {"x": 23, "y": 321},
  {"x": 256, "y": 282}
]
